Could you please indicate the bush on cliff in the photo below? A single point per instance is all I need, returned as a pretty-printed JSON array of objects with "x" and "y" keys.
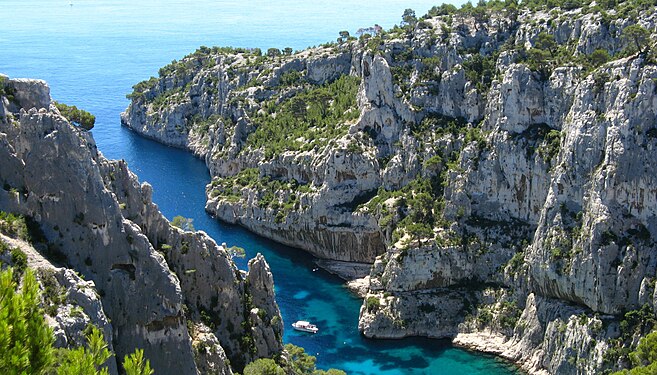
[
  {"x": 76, "y": 116},
  {"x": 644, "y": 358},
  {"x": 299, "y": 363}
]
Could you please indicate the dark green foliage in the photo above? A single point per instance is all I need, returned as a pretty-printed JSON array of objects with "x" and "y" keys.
[
  {"x": 419, "y": 231},
  {"x": 170, "y": 96},
  {"x": 344, "y": 36},
  {"x": 76, "y": 116},
  {"x": 279, "y": 195},
  {"x": 140, "y": 88},
  {"x": 485, "y": 316},
  {"x": 480, "y": 70},
  {"x": 6, "y": 91},
  {"x": 209, "y": 319},
  {"x": 400, "y": 76},
  {"x": 442, "y": 10},
  {"x": 409, "y": 20},
  {"x": 418, "y": 207},
  {"x": 203, "y": 125},
  {"x": 273, "y": 52},
  {"x": 551, "y": 146},
  {"x": 429, "y": 69},
  {"x": 638, "y": 37},
  {"x": 202, "y": 57},
  {"x": 316, "y": 116},
  {"x": 54, "y": 295},
  {"x": 509, "y": 314},
  {"x": 599, "y": 57},
  {"x": 546, "y": 42},
  {"x": 608, "y": 237},
  {"x": 646, "y": 353},
  {"x": 19, "y": 261},
  {"x": 517, "y": 261},
  {"x": 300, "y": 361},
  {"x": 236, "y": 251},
  {"x": 85, "y": 360},
  {"x": 426, "y": 308},
  {"x": 538, "y": 60},
  {"x": 293, "y": 77},
  {"x": 439, "y": 124}
]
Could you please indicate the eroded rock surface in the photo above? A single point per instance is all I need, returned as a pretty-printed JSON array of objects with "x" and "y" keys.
[
  {"x": 152, "y": 278},
  {"x": 503, "y": 196}
]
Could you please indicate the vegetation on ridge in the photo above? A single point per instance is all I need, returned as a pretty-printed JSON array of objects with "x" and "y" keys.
[
  {"x": 417, "y": 213},
  {"x": 76, "y": 116},
  {"x": 308, "y": 119}
]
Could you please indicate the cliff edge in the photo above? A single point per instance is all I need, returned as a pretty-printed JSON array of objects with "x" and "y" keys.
[
  {"x": 493, "y": 163},
  {"x": 175, "y": 294}
]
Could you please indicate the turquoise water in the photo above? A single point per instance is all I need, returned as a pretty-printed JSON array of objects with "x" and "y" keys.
[{"x": 92, "y": 52}]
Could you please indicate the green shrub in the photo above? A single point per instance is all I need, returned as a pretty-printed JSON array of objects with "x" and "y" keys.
[
  {"x": 76, "y": 116},
  {"x": 19, "y": 261},
  {"x": 263, "y": 366},
  {"x": 54, "y": 295},
  {"x": 186, "y": 224},
  {"x": 372, "y": 304},
  {"x": 293, "y": 77},
  {"x": 480, "y": 70},
  {"x": 140, "y": 88},
  {"x": 14, "y": 226},
  {"x": 7, "y": 91}
]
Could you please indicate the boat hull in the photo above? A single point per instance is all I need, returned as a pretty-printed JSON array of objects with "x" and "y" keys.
[{"x": 305, "y": 327}]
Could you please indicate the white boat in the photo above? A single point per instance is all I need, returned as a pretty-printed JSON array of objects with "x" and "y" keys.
[{"x": 304, "y": 326}]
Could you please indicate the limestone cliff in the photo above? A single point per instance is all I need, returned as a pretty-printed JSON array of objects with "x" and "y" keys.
[
  {"x": 160, "y": 287},
  {"x": 496, "y": 163}
]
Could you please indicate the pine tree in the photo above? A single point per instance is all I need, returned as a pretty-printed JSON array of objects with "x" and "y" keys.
[{"x": 25, "y": 339}]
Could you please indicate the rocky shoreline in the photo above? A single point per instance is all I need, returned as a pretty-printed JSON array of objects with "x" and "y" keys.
[{"x": 495, "y": 171}]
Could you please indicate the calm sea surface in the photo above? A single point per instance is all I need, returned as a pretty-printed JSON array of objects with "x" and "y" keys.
[{"x": 92, "y": 51}]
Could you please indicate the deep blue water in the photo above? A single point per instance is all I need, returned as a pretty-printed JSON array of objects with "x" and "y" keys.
[{"x": 93, "y": 51}]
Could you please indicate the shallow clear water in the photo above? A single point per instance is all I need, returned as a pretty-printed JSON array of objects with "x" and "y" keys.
[{"x": 92, "y": 52}]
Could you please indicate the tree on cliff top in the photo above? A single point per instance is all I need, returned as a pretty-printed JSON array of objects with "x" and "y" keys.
[
  {"x": 76, "y": 116},
  {"x": 183, "y": 223},
  {"x": 409, "y": 19}
]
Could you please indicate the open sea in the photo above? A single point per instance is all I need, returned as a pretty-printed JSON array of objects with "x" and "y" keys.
[{"x": 91, "y": 52}]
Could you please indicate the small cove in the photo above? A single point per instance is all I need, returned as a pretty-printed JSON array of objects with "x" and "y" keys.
[{"x": 91, "y": 53}]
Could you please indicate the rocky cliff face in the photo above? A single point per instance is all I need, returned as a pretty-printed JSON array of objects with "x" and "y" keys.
[
  {"x": 160, "y": 286},
  {"x": 496, "y": 164}
]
